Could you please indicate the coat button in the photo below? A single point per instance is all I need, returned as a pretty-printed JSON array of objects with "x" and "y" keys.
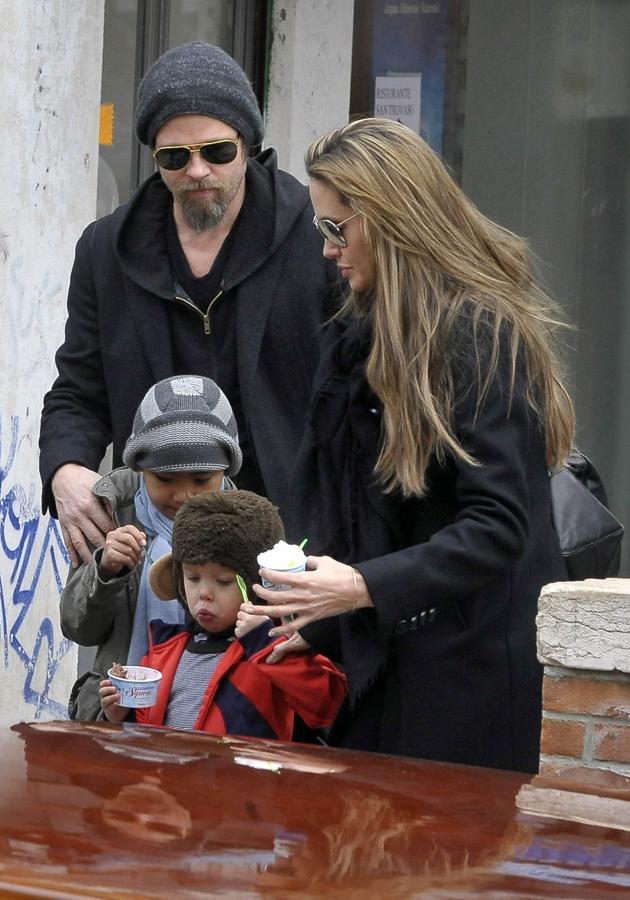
[
  {"x": 401, "y": 627},
  {"x": 432, "y": 614},
  {"x": 423, "y": 617}
]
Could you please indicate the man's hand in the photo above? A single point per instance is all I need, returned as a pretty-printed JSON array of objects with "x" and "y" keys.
[{"x": 83, "y": 518}]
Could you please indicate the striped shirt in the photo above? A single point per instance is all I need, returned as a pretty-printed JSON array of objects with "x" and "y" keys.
[{"x": 189, "y": 685}]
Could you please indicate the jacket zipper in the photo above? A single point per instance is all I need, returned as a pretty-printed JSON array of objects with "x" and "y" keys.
[{"x": 205, "y": 316}]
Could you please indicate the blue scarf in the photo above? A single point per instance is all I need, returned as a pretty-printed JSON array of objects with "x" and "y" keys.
[{"x": 159, "y": 531}]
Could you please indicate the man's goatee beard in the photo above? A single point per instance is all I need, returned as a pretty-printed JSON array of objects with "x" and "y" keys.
[{"x": 203, "y": 216}]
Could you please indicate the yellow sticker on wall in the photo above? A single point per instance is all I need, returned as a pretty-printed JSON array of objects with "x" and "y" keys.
[{"x": 106, "y": 127}]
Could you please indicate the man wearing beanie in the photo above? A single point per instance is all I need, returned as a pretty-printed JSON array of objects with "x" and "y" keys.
[
  {"x": 212, "y": 267},
  {"x": 184, "y": 442}
]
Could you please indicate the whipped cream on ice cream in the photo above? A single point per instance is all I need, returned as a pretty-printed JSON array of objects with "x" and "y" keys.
[{"x": 282, "y": 556}]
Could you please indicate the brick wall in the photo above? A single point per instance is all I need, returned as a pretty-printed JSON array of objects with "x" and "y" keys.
[
  {"x": 583, "y": 633},
  {"x": 586, "y": 727},
  {"x": 584, "y": 643}
]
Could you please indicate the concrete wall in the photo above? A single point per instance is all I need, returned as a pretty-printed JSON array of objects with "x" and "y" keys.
[
  {"x": 50, "y": 75},
  {"x": 50, "y": 71},
  {"x": 309, "y": 75}
]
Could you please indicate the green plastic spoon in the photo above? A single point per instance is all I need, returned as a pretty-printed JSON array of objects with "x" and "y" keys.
[{"x": 242, "y": 588}]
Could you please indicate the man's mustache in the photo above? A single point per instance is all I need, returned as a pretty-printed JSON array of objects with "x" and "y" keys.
[{"x": 200, "y": 186}]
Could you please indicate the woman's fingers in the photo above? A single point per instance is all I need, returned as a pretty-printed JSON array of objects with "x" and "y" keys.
[
  {"x": 294, "y": 644},
  {"x": 327, "y": 588},
  {"x": 274, "y": 612},
  {"x": 292, "y": 579},
  {"x": 265, "y": 594},
  {"x": 287, "y": 629}
]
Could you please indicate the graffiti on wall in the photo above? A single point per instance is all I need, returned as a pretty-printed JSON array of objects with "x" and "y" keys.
[{"x": 33, "y": 564}]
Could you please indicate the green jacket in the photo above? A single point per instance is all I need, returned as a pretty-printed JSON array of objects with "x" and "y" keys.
[{"x": 95, "y": 612}]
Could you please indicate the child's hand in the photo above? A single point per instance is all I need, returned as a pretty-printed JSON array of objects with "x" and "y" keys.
[
  {"x": 245, "y": 622},
  {"x": 110, "y": 702},
  {"x": 123, "y": 550}
]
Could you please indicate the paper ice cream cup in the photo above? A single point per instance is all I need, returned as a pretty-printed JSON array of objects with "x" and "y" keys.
[
  {"x": 274, "y": 586},
  {"x": 140, "y": 688},
  {"x": 282, "y": 557}
]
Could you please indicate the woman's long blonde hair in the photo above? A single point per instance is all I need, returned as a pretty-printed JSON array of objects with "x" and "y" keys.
[{"x": 436, "y": 259}]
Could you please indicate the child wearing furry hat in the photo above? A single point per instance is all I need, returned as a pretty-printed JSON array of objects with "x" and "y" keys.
[
  {"x": 215, "y": 674},
  {"x": 184, "y": 442}
]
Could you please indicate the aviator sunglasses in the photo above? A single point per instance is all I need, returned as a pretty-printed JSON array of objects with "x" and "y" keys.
[
  {"x": 333, "y": 231},
  {"x": 217, "y": 153}
]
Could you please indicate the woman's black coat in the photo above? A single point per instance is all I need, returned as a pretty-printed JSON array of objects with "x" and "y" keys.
[{"x": 445, "y": 665}]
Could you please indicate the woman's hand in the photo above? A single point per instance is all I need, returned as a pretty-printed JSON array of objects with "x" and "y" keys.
[
  {"x": 294, "y": 644},
  {"x": 327, "y": 588}
]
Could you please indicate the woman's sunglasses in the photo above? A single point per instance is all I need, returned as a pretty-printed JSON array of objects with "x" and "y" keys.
[
  {"x": 333, "y": 231},
  {"x": 217, "y": 153}
]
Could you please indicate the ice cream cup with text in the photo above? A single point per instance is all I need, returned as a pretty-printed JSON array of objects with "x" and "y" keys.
[
  {"x": 138, "y": 686},
  {"x": 282, "y": 557}
]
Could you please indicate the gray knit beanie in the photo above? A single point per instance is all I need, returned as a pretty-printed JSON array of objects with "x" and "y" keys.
[
  {"x": 197, "y": 79},
  {"x": 184, "y": 423}
]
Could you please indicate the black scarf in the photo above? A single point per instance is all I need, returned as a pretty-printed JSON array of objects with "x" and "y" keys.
[
  {"x": 338, "y": 501},
  {"x": 201, "y": 641}
]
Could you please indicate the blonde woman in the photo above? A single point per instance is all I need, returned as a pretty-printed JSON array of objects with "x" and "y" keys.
[{"x": 422, "y": 481}]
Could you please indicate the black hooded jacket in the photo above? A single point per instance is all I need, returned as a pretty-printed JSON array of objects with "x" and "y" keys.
[{"x": 124, "y": 304}]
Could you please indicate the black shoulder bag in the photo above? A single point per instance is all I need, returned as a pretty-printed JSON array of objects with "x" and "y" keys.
[{"x": 590, "y": 536}]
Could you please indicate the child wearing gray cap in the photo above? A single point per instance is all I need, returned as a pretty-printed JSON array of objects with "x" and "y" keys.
[{"x": 184, "y": 442}]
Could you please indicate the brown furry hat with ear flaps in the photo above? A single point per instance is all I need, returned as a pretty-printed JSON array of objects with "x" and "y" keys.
[{"x": 227, "y": 527}]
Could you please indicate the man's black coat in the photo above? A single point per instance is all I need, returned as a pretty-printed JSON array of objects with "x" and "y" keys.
[{"x": 118, "y": 340}]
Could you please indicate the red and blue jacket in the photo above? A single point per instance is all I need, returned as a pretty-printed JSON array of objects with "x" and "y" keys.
[{"x": 247, "y": 696}]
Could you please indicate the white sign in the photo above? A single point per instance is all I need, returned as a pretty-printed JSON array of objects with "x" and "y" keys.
[{"x": 398, "y": 97}]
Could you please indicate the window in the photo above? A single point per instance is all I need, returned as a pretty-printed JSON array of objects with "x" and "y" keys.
[{"x": 136, "y": 32}]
